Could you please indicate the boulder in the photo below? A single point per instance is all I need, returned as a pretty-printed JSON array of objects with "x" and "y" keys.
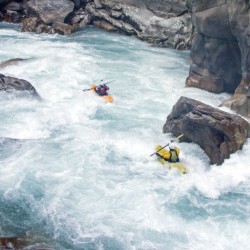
[
  {"x": 36, "y": 25},
  {"x": 50, "y": 11},
  {"x": 239, "y": 103},
  {"x": 11, "y": 84},
  {"x": 11, "y": 16},
  {"x": 10, "y": 62},
  {"x": 217, "y": 132},
  {"x": 63, "y": 28}
]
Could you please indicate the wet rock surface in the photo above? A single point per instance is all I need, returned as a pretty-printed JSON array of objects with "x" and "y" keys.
[
  {"x": 217, "y": 132},
  {"x": 12, "y": 84},
  {"x": 221, "y": 49}
]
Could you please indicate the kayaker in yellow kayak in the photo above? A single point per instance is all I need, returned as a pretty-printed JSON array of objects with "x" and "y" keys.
[{"x": 171, "y": 155}]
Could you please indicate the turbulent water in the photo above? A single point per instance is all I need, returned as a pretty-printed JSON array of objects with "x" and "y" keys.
[{"x": 81, "y": 176}]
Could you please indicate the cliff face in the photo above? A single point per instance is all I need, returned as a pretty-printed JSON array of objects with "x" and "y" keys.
[
  {"x": 220, "y": 52},
  {"x": 164, "y": 23}
]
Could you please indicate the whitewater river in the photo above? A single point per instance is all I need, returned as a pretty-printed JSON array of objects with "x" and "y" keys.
[{"x": 81, "y": 176}]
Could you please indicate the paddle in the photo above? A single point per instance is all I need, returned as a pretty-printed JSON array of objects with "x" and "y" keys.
[
  {"x": 177, "y": 138},
  {"x": 92, "y": 88}
]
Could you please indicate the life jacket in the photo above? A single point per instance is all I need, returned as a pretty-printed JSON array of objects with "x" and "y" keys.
[
  {"x": 102, "y": 91},
  {"x": 173, "y": 156}
]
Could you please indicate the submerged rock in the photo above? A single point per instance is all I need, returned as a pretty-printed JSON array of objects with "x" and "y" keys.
[
  {"x": 10, "y": 62},
  {"x": 11, "y": 84},
  {"x": 63, "y": 28},
  {"x": 50, "y": 11},
  {"x": 23, "y": 242},
  {"x": 36, "y": 25},
  {"x": 217, "y": 132}
]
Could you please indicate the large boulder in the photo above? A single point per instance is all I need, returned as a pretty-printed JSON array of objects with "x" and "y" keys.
[
  {"x": 50, "y": 11},
  {"x": 218, "y": 133},
  {"x": 220, "y": 55},
  {"x": 12, "y": 84}
]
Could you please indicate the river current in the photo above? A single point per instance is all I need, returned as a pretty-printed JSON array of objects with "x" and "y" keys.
[{"x": 81, "y": 175}]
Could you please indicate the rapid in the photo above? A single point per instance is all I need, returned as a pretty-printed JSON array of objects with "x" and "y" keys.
[{"x": 81, "y": 175}]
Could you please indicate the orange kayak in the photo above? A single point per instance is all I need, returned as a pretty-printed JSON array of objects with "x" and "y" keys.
[{"x": 108, "y": 98}]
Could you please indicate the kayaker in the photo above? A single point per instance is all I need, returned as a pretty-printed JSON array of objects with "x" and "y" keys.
[
  {"x": 171, "y": 155},
  {"x": 102, "y": 89}
]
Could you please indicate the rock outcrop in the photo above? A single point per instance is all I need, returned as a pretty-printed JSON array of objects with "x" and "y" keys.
[
  {"x": 10, "y": 11},
  {"x": 12, "y": 84},
  {"x": 221, "y": 49},
  {"x": 163, "y": 23},
  {"x": 218, "y": 133}
]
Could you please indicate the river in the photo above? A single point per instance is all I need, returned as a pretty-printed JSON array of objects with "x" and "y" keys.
[{"x": 81, "y": 177}]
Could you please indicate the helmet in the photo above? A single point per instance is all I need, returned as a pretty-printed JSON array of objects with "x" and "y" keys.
[
  {"x": 171, "y": 146},
  {"x": 158, "y": 147}
]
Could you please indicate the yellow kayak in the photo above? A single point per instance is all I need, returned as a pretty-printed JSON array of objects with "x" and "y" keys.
[
  {"x": 170, "y": 165},
  {"x": 108, "y": 98}
]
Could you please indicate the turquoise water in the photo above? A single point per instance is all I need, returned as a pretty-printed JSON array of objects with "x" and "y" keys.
[{"x": 80, "y": 177}]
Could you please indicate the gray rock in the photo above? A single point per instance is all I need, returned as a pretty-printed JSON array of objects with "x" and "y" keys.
[
  {"x": 63, "y": 28},
  {"x": 14, "y": 6},
  {"x": 85, "y": 21},
  {"x": 50, "y": 10},
  {"x": 34, "y": 24},
  {"x": 12, "y": 84},
  {"x": 159, "y": 22},
  {"x": 220, "y": 55},
  {"x": 218, "y": 133},
  {"x": 10, "y": 62},
  {"x": 11, "y": 16}
]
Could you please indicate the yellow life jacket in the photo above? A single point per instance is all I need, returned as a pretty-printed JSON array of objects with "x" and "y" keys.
[
  {"x": 173, "y": 156},
  {"x": 168, "y": 155}
]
